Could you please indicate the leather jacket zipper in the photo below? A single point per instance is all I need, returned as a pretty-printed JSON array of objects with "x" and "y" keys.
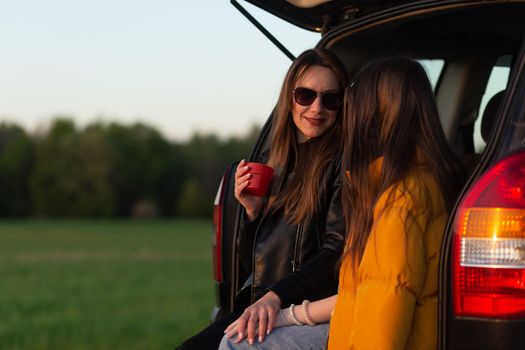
[{"x": 296, "y": 248}]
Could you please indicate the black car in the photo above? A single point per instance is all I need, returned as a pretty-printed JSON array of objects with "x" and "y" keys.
[{"x": 475, "y": 55}]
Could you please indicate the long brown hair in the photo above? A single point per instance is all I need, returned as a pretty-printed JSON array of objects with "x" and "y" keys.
[
  {"x": 300, "y": 197},
  {"x": 390, "y": 111}
]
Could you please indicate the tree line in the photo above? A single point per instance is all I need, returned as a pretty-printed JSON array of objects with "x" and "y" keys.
[{"x": 111, "y": 170}]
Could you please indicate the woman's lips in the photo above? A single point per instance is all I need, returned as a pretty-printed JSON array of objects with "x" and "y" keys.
[{"x": 315, "y": 121}]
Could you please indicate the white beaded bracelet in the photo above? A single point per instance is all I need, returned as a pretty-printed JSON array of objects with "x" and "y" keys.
[
  {"x": 305, "y": 313},
  {"x": 292, "y": 316}
]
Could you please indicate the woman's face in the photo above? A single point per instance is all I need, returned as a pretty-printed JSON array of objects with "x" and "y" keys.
[{"x": 314, "y": 119}]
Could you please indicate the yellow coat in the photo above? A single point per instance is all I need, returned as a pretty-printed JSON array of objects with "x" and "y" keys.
[{"x": 393, "y": 302}]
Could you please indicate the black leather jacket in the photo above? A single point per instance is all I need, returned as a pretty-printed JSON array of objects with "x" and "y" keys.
[{"x": 297, "y": 262}]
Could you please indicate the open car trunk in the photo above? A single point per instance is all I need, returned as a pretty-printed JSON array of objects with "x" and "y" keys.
[{"x": 320, "y": 15}]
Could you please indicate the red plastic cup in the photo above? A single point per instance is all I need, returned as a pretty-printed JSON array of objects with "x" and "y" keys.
[{"x": 261, "y": 178}]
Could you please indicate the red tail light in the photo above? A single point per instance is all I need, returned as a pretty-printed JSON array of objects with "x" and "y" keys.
[
  {"x": 217, "y": 232},
  {"x": 489, "y": 244}
]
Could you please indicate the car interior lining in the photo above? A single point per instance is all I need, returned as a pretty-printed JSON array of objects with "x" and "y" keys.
[{"x": 469, "y": 46}]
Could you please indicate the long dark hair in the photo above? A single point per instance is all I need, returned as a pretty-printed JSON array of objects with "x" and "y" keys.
[
  {"x": 390, "y": 111},
  {"x": 300, "y": 197}
]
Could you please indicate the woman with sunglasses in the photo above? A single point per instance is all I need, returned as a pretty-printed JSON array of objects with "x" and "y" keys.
[
  {"x": 400, "y": 182},
  {"x": 290, "y": 241}
]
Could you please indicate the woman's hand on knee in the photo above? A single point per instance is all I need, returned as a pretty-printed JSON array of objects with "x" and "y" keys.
[
  {"x": 252, "y": 204},
  {"x": 262, "y": 317},
  {"x": 257, "y": 320}
]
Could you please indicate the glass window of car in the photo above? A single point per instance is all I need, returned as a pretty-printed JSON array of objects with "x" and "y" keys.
[
  {"x": 497, "y": 82},
  {"x": 433, "y": 69}
]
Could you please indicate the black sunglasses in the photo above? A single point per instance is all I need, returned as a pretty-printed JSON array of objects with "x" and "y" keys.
[{"x": 305, "y": 97}]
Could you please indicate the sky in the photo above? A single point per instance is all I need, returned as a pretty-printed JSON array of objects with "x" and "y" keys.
[{"x": 179, "y": 66}]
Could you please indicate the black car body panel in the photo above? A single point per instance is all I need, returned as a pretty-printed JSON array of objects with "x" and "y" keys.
[
  {"x": 508, "y": 135},
  {"x": 228, "y": 222}
]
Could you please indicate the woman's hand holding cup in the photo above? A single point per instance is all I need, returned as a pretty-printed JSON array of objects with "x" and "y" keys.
[{"x": 250, "y": 187}]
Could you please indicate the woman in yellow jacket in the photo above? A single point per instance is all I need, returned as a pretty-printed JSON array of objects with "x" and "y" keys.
[{"x": 400, "y": 183}]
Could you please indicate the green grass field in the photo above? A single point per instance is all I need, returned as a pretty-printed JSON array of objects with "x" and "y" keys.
[{"x": 103, "y": 284}]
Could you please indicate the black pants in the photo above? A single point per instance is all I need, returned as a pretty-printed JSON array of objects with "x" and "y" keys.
[{"x": 210, "y": 337}]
